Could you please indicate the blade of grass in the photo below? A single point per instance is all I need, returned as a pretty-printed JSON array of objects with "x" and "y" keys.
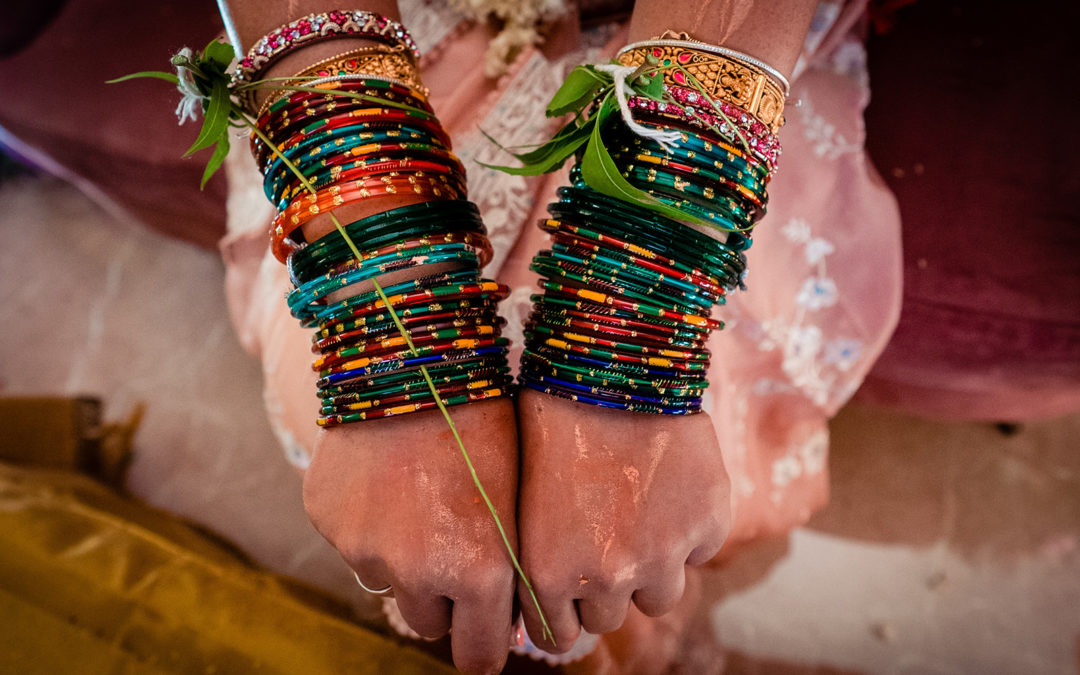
[{"x": 431, "y": 386}]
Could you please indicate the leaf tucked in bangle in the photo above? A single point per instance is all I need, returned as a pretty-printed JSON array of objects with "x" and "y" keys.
[
  {"x": 590, "y": 94},
  {"x": 577, "y": 91}
]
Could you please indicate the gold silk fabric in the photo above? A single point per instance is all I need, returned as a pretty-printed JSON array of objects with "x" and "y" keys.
[{"x": 91, "y": 582}]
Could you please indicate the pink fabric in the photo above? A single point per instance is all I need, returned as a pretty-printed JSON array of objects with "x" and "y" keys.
[{"x": 824, "y": 284}]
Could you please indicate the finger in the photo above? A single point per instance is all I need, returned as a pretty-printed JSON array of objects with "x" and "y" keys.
[
  {"x": 662, "y": 593},
  {"x": 480, "y": 637},
  {"x": 605, "y": 613},
  {"x": 426, "y": 613},
  {"x": 561, "y": 617},
  {"x": 706, "y": 551}
]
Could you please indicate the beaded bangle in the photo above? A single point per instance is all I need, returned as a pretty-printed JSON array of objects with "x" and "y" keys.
[
  {"x": 315, "y": 27},
  {"x": 763, "y": 144}
]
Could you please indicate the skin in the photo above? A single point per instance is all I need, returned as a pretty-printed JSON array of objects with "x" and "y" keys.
[
  {"x": 394, "y": 496},
  {"x": 613, "y": 505}
]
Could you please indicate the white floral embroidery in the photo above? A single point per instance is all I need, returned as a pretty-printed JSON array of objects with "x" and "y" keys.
[
  {"x": 849, "y": 60},
  {"x": 516, "y": 308},
  {"x": 515, "y": 120},
  {"x": 827, "y": 142},
  {"x": 796, "y": 230},
  {"x": 843, "y": 353},
  {"x": 429, "y": 22},
  {"x": 814, "y": 453},
  {"x": 785, "y": 470},
  {"x": 812, "y": 367},
  {"x": 800, "y": 356},
  {"x": 817, "y": 249},
  {"x": 817, "y": 293}
]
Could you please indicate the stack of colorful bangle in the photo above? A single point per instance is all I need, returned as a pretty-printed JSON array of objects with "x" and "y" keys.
[
  {"x": 627, "y": 294},
  {"x": 368, "y": 137}
]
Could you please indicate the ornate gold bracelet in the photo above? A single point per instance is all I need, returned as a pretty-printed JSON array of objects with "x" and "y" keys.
[
  {"x": 722, "y": 77},
  {"x": 384, "y": 62}
]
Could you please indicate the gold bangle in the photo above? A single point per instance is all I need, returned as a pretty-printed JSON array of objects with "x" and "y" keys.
[
  {"x": 722, "y": 77},
  {"x": 381, "y": 61}
]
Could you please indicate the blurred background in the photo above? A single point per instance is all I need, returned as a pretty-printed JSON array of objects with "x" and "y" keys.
[{"x": 951, "y": 541}]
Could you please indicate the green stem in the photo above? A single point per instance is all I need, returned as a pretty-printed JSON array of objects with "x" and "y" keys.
[{"x": 427, "y": 378}]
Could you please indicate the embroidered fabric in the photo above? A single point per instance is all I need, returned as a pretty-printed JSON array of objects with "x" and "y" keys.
[{"x": 825, "y": 270}]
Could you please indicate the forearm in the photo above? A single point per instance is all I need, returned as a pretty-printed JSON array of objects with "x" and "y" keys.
[{"x": 772, "y": 31}]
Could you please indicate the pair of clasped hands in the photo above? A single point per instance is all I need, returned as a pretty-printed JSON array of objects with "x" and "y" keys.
[{"x": 604, "y": 508}]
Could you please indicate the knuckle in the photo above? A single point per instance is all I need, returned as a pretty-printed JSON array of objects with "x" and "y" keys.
[{"x": 487, "y": 580}]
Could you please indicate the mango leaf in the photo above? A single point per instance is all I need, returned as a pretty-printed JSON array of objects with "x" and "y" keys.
[
  {"x": 168, "y": 77},
  {"x": 653, "y": 86},
  {"x": 601, "y": 174},
  {"x": 218, "y": 53},
  {"x": 576, "y": 91},
  {"x": 550, "y": 156},
  {"x": 568, "y": 132},
  {"x": 216, "y": 159},
  {"x": 216, "y": 119}
]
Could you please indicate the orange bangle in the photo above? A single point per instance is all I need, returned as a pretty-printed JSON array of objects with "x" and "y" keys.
[{"x": 302, "y": 210}]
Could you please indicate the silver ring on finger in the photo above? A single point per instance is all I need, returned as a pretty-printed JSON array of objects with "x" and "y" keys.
[{"x": 373, "y": 591}]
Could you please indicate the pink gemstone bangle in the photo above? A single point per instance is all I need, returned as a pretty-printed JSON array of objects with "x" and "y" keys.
[
  {"x": 323, "y": 26},
  {"x": 695, "y": 110}
]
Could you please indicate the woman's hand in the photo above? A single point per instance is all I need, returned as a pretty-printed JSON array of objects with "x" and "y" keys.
[
  {"x": 396, "y": 499},
  {"x": 612, "y": 506}
]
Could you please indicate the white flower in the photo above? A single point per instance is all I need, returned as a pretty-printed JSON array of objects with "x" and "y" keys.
[
  {"x": 843, "y": 352},
  {"x": 192, "y": 98},
  {"x": 797, "y": 230},
  {"x": 817, "y": 293},
  {"x": 817, "y": 249}
]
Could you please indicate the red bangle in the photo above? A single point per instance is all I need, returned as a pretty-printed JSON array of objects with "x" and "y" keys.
[{"x": 367, "y": 170}]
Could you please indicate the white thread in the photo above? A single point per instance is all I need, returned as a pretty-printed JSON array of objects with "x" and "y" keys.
[{"x": 667, "y": 139}]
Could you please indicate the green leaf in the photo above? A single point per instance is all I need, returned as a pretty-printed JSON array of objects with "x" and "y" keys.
[
  {"x": 654, "y": 86},
  {"x": 220, "y": 53},
  {"x": 221, "y": 150},
  {"x": 168, "y": 77},
  {"x": 216, "y": 120},
  {"x": 568, "y": 133},
  {"x": 548, "y": 157},
  {"x": 601, "y": 174},
  {"x": 576, "y": 91}
]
